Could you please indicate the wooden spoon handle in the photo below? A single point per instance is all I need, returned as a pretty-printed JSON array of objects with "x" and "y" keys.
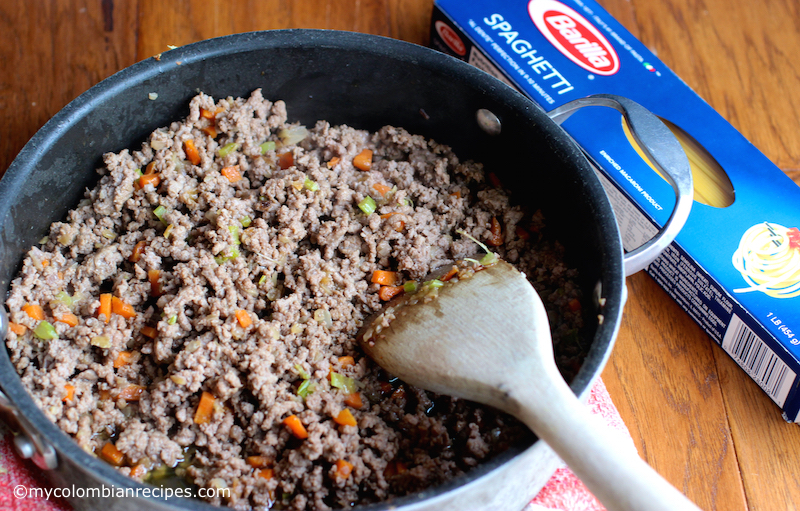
[{"x": 603, "y": 460}]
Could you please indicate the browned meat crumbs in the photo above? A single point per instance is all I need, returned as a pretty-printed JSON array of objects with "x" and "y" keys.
[{"x": 194, "y": 317}]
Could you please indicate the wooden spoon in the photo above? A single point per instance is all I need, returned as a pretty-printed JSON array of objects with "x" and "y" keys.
[{"x": 487, "y": 339}]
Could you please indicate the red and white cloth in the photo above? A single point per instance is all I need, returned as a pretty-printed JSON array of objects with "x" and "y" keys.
[{"x": 563, "y": 492}]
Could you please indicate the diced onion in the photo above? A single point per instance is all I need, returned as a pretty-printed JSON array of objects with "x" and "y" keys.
[
  {"x": 292, "y": 134},
  {"x": 101, "y": 341},
  {"x": 323, "y": 316}
]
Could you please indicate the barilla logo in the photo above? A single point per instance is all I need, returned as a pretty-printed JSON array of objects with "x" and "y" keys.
[
  {"x": 450, "y": 37},
  {"x": 574, "y": 36}
]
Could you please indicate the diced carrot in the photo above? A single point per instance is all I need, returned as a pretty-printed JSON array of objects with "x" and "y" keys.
[
  {"x": 191, "y": 152},
  {"x": 149, "y": 179},
  {"x": 70, "y": 389},
  {"x": 363, "y": 160},
  {"x": 232, "y": 173},
  {"x": 34, "y": 311},
  {"x": 388, "y": 215},
  {"x": 385, "y": 278},
  {"x": 382, "y": 189},
  {"x": 522, "y": 233},
  {"x": 400, "y": 226},
  {"x": 244, "y": 318},
  {"x": 211, "y": 131},
  {"x": 386, "y": 293},
  {"x": 149, "y": 331},
  {"x": 124, "y": 358},
  {"x": 296, "y": 427},
  {"x": 112, "y": 455},
  {"x": 286, "y": 160},
  {"x": 150, "y": 169},
  {"x": 17, "y": 328},
  {"x": 574, "y": 305},
  {"x": 208, "y": 114},
  {"x": 345, "y": 418},
  {"x": 450, "y": 274},
  {"x": 265, "y": 473},
  {"x": 394, "y": 467},
  {"x": 122, "y": 308},
  {"x": 354, "y": 400},
  {"x": 137, "y": 252},
  {"x": 131, "y": 392},
  {"x": 258, "y": 461},
  {"x": 105, "y": 306},
  {"x": 68, "y": 318},
  {"x": 154, "y": 276},
  {"x": 205, "y": 408},
  {"x": 45, "y": 263},
  {"x": 346, "y": 360},
  {"x": 456, "y": 194},
  {"x": 343, "y": 469},
  {"x": 495, "y": 180},
  {"x": 139, "y": 470},
  {"x": 495, "y": 234},
  {"x": 333, "y": 162}
]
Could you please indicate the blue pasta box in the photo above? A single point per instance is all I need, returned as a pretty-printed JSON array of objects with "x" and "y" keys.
[{"x": 735, "y": 265}]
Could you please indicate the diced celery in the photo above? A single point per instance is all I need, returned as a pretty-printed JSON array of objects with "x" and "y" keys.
[
  {"x": 246, "y": 221},
  {"x": 488, "y": 259},
  {"x": 228, "y": 149},
  {"x": 159, "y": 212},
  {"x": 344, "y": 383},
  {"x": 434, "y": 284},
  {"x": 234, "y": 230},
  {"x": 410, "y": 286},
  {"x": 269, "y": 145},
  {"x": 65, "y": 299},
  {"x": 367, "y": 205},
  {"x": 45, "y": 331},
  {"x": 305, "y": 388},
  {"x": 302, "y": 372},
  {"x": 311, "y": 185}
]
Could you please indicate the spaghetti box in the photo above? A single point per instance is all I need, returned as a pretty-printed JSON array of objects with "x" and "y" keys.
[{"x": 735, "y": 266}]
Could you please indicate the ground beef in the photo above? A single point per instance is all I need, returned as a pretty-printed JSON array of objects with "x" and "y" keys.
[{"x": 241, "y": 270}]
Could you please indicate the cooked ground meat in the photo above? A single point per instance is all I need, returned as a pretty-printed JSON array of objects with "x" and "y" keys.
[{"x": 195, "y": 315}]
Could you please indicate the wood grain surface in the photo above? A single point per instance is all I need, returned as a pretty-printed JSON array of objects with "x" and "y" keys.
[{"x": 694, "y": 415}]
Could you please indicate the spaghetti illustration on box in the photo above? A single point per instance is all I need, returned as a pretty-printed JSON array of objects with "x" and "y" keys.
[{"x": 768, "y": 258}]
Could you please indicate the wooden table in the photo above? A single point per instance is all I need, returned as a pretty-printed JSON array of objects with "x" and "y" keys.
[{"x": 694, "y": 415}]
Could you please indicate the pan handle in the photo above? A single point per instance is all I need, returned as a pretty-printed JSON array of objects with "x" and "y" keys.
[
  {"x": 666, "y": 153},
  {"x": 27, "y": 442}
]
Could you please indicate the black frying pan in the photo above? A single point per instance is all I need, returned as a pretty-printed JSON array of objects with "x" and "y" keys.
[{"x": 356, "y": 79}]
